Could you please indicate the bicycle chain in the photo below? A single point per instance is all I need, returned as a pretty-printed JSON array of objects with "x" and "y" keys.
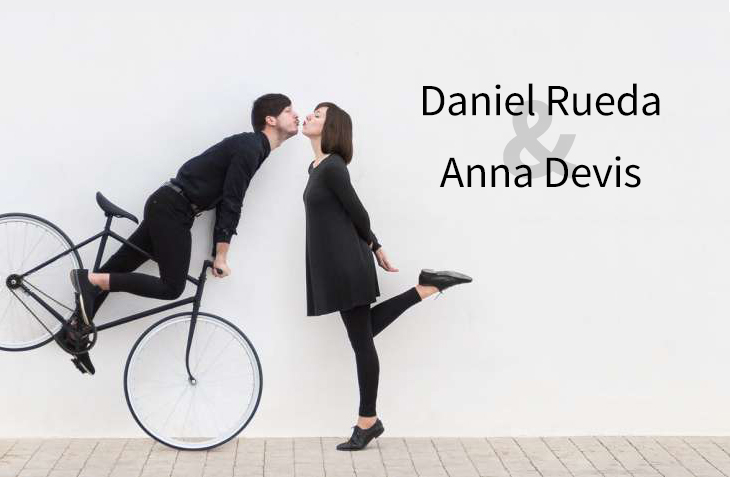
[
  {"x": 92, "y": 342},
  {"x": 25, "y": 280}
]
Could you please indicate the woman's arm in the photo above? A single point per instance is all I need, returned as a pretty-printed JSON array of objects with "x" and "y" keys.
[
  {"x": 337, "y": 178},
  {"x": 374, "y": 244}
]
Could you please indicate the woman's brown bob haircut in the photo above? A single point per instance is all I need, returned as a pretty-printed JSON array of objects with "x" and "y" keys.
[{"x": 336, "y": 132}]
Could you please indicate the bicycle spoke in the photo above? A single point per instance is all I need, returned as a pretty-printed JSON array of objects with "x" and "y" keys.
[
  {"x": 10, "y": 302},
  {"x": 25, "y": 239},
  {"x": 31, "y": 251},
  {"x": 178, "y": 382},
  {"x": 182, "y": 345},
  {"x": 164, "y": 356},
  {"x": 226, "y": 379},
  {"x": 223, "y": 398},
  {"x": 200, "y": 356},
  {"x": 9, "y": 252},
  {"x": 155, "y": 394},
  {"x": 185, "y": 391},
  {"x": 215, "y": 420},
  {"x": 165, "y": 385},
  {"x": 51, "y": 254},
  {"x": 210, "y": 366},
  {"x": 24, "y": 322},
  {"x": 7, "y": 322},
  {"x": 158, "y": 410},
  {"x": 47, "y": 295},
  {"x": 195, "y": 431},
  {"x": 15, "y": 245},
  {"x": 187, "y": 415}
]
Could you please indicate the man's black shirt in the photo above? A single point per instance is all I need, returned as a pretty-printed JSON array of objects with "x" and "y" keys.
[{"x": 220, "y": 176}]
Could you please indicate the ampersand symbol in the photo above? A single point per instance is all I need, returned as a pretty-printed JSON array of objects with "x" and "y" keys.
[{"x": 526, "y": 138}]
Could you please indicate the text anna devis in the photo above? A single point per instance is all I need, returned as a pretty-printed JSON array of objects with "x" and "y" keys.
[{"x": 557, "y": 169}]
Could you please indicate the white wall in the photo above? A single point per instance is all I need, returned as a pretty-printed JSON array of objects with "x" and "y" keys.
[{"x": 592, "y": 311}]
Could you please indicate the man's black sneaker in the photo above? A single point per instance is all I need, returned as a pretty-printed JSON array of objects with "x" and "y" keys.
[
  {"x": 69, "y": 332},
  {"x": 87, "y": 292},
  {"x": 83, "y": 363},
  {"x": 76, "y": 363},
  {"x": 71, "y": 339}
]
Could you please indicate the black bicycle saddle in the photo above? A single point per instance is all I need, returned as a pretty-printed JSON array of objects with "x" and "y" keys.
[{"x": 111, "y": 209}]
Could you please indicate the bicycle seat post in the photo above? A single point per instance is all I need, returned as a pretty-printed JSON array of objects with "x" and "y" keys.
[{"x": 102, "y": 244}]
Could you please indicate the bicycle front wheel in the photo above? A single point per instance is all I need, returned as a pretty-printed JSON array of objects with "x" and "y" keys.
[{"x": 197, "y": 415}]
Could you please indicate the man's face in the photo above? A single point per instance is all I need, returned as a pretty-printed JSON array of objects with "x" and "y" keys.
[{"x": 287, "y": 122}]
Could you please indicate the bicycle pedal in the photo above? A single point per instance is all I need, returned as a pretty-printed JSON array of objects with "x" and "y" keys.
[{"x": 76, "y": 363}]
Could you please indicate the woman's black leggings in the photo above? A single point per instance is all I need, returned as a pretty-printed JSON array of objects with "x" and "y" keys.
[
  {"x": 165, "y": 234},
  {"x": 362, "y": 324}
]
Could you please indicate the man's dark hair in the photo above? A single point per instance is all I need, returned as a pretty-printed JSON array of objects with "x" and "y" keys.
[
  {"x": 271, "y": 104},
  {"x": 336, "y": 132}
]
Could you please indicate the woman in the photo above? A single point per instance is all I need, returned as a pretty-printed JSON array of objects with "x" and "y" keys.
[{"x": 340, "y": 270}]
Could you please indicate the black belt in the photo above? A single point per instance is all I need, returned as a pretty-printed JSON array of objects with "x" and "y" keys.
[{"x": 196, "y": 210}]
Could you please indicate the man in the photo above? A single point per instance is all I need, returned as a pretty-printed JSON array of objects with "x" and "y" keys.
[{"x": 217, "y": 178}]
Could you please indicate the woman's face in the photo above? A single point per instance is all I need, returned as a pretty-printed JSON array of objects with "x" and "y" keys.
[{"x": 314, "y": 122}]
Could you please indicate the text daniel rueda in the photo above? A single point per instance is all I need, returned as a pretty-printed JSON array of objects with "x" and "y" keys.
[{"x": 435, "y": 102}]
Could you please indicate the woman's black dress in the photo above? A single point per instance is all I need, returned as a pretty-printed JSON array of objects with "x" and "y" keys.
[{"x": 340, "y": 266}]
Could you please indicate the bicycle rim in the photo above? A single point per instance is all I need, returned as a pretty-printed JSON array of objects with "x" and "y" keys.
[{"x": 200, "y": 415}]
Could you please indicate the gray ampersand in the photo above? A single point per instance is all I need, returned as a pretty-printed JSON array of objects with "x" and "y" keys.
[{"x": 527, "y": 139}]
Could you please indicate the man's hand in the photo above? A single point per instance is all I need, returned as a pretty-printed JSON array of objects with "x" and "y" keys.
[
  {"x": 383, "y": 261},
  {"x": 220, "y": 264}
]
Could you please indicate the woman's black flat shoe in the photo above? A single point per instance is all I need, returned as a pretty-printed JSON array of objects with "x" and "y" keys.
[
  {"x": 361, "y": 437},
  {"x": 442, "y": 279}
]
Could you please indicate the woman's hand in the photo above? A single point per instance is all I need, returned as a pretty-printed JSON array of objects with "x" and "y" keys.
[
  {"x": 383, "y": 261},
  {"x": 220, "y": 264}
]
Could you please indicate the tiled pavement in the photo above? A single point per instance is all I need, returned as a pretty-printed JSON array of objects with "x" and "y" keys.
[{"x": 386, "y": 457}]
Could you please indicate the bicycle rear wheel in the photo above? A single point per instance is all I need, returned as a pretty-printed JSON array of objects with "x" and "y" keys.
[
  {"x": 206, "y": 413},
  {"x": 27, "y": 241}
]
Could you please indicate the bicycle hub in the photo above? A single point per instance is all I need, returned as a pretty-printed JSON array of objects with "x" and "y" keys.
[{"x": 13, "y": 281}]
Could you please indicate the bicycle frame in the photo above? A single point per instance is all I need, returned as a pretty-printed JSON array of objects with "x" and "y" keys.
[{"x": 104, "y": 236}]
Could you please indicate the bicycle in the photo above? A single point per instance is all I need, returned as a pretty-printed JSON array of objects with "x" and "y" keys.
[{"x": 192, "y": 380}]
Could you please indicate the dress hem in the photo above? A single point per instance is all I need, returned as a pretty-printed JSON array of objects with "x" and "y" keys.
[{"x": 373, "y": 300}]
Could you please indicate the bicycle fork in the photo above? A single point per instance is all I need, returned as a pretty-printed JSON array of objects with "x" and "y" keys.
[{"x": 194, "y": 318}]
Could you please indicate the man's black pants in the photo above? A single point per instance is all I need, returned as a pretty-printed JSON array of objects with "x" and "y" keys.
[{"x": 165, "y": 234}]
